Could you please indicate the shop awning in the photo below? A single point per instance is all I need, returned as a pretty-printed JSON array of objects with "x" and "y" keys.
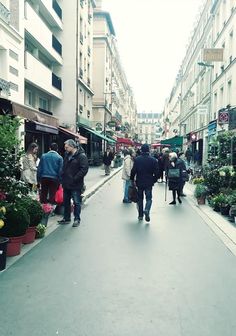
[
  {"x": 176, "y": 141},
  {"x": 33, "y": 115},
  {"x": 81, "y": 138},
  {"x": 45, "y": 128},
  {"x": 125, "y": 141},
  {"x": 99, "y": 135}
]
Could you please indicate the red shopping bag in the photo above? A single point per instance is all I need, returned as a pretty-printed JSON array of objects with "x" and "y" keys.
[{"x": 59, "y": 195}]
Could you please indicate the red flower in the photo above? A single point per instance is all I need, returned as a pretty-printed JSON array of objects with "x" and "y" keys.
[{"x": 47, "y": 208}]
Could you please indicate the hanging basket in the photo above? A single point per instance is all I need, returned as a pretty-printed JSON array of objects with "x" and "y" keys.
[{"x": 29, "y": 236}]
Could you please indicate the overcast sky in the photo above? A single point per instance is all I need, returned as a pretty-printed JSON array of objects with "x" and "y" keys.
[{"x": 152, "y": 37}]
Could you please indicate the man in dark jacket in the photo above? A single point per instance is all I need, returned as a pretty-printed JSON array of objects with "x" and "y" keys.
[
  {"x": 107, "y": 159},
  {"x": 48, "y": 174},
  {"x": 146, "y": 172},
  {"x": 75, "y": 167}
]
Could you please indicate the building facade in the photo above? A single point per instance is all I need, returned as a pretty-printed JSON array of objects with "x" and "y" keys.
[{"x": 149, "y": 127}]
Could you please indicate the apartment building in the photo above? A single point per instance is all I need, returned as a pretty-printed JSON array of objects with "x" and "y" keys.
[
  {"x": 114, "y": 108},
  {"x": 149, "y": 127},
  {"x": 206, "y": 82}
]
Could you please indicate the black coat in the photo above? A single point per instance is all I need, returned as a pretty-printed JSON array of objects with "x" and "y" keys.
[
  {"x": 146, "y": 170},
  {"x": 175, "y": 183},
  {"x": 107, "y": 158},
  {"x": 74, "y": 169}
]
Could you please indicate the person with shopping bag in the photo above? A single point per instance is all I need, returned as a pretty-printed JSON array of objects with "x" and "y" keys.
[{"x": 175, "y": 176}]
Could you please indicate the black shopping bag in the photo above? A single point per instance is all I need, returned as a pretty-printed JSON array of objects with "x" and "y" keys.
[{"x": 133, "y": 194}]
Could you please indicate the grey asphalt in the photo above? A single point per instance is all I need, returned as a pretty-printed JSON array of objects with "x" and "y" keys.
[{"x": 115, "y": 276}]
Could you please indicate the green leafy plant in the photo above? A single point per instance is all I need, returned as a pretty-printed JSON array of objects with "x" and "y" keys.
[
  {"x": 34, "y": 209},
  {"x": 40, "y": 230},
  {"x": 16, "y": 221},
  {"x": 200, "y": 191},
  {"x": 198, "y": 180}
]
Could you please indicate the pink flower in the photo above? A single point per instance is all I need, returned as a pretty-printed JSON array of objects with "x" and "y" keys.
[
  {"x": 47, "y": 208},
  {"x": 2, "y": 196}
]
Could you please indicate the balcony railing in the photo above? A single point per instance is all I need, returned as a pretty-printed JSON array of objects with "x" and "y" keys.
[
  {"x": 56, "y": 45},
  {"x": 81, "y": 73},
  {"x": 4, "y": 86},
  {"x": 56, "y": 82},
  {"x": 4, "y": 13},
  {"x": 57, "y": 8}
]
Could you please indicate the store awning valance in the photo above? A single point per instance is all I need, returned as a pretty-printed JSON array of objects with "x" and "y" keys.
[
  {"x": 176, "y": 141},
  {"x": 125, "y": 141},
  {"x": 45, "y": 128},
  {"x": 99, "y": 135},
  {"x": 83, "y": 140}
]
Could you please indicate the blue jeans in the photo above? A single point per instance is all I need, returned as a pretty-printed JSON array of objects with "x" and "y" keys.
[
  {"x": 127, "y": 183},
  {"x": 76, "y": 196},
  {"x": 148, "y": 194}
]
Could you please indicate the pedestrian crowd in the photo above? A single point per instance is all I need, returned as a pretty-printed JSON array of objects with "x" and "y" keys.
[{"x": 141, "y": 170}]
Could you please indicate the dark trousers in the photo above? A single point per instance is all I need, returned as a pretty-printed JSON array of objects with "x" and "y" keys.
[
  {"x": 49, "y": 188},
  {"x": 76, "y": 196},
  {"x": 148, "y": 194}
]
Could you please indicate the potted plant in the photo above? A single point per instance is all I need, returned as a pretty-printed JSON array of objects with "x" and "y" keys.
[
  {"x": 3, "y": 240},
  {"x": 40, "y": 231},
  {"x": 35, "y": 212},
  {"x": 200, "y": 193},
  {"x": 15, "y": 225}
]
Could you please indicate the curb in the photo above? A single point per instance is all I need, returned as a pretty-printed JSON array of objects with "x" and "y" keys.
[{"x": 53, "y": 225}]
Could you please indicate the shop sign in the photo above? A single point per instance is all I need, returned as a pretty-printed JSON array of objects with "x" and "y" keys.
[
  {"x": 111, "y": 124},
  {"x": 202, "y": 109},
  {"x": 223, "y": 117},
  {"x": 232, "y": 119},
  {"x": 98, "y": 127},
  {"x": 213, "y": 55},
  {"x": 212, "y": 127}
]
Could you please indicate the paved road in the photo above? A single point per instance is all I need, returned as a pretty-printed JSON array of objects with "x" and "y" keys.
[{"x": 114, "y": 276}]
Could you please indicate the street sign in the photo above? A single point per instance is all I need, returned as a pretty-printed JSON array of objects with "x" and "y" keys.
[
  {"x": 213, "y": 55},
  {"x": 223, "y": 117},
  {"x": 202, "y": 109}
]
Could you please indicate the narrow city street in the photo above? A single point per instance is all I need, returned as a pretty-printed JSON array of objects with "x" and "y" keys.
[{"x": 115, "y": 276}]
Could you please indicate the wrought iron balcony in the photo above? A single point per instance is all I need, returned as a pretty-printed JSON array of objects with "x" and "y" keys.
[
  {"x": 4, "y": 13},
  {"x": 4, "y": 86}
]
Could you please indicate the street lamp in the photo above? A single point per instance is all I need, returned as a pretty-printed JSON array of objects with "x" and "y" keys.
[{"x": 105, "y": 112}]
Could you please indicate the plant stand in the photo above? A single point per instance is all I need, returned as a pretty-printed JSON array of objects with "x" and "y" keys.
[
  {"x": 3, "y": 253},
  {"x": 14, "y": 246},
  {"x": 29, "y": 236}
]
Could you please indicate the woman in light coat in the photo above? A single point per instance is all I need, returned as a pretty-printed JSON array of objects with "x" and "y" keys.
[
  {"x": 127, "y": 166},
  {"x": 29, "y": 169}
]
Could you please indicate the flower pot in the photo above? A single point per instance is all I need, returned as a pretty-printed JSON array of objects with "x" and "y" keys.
[
  {"x": 29, "y": 236},
  {"x": 201, "y": 200},
  {"x": 14, "y": 246},
  {"x": 3, "y": 253},
  {"x": 224, "y": 210}
]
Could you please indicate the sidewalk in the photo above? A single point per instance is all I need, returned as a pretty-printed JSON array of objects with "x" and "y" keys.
[
  {"x": 94, "y": 180},
  {"x": 224, "y": 229}
]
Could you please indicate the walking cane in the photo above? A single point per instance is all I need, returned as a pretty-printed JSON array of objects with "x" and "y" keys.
[{"x": 166, "y": 187}]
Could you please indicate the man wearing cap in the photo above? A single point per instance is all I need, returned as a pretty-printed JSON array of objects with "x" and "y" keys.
[
  {"x": 145, "y": 171},
  {"x": 75, "y": 167}
]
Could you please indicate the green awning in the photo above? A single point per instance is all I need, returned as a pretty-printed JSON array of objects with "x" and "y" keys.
[
  {"x": 100, "y": 135},
  {"x": 176, "y": 141}
]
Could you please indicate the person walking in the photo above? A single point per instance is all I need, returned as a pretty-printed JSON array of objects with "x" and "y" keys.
[
  {"x": 48, "y": 174},
  {"x": 127, "y": 166},
  {"x": 107, "y": 159},
  {"x": 185, "y": 173},
  {"x": 175, "y": 176},
  {"x": 75, "y": 167},
  {"x": 188, "y": 155},
  {"x": 144, "y": 174},
  {"x": 29, "y": 169}
]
